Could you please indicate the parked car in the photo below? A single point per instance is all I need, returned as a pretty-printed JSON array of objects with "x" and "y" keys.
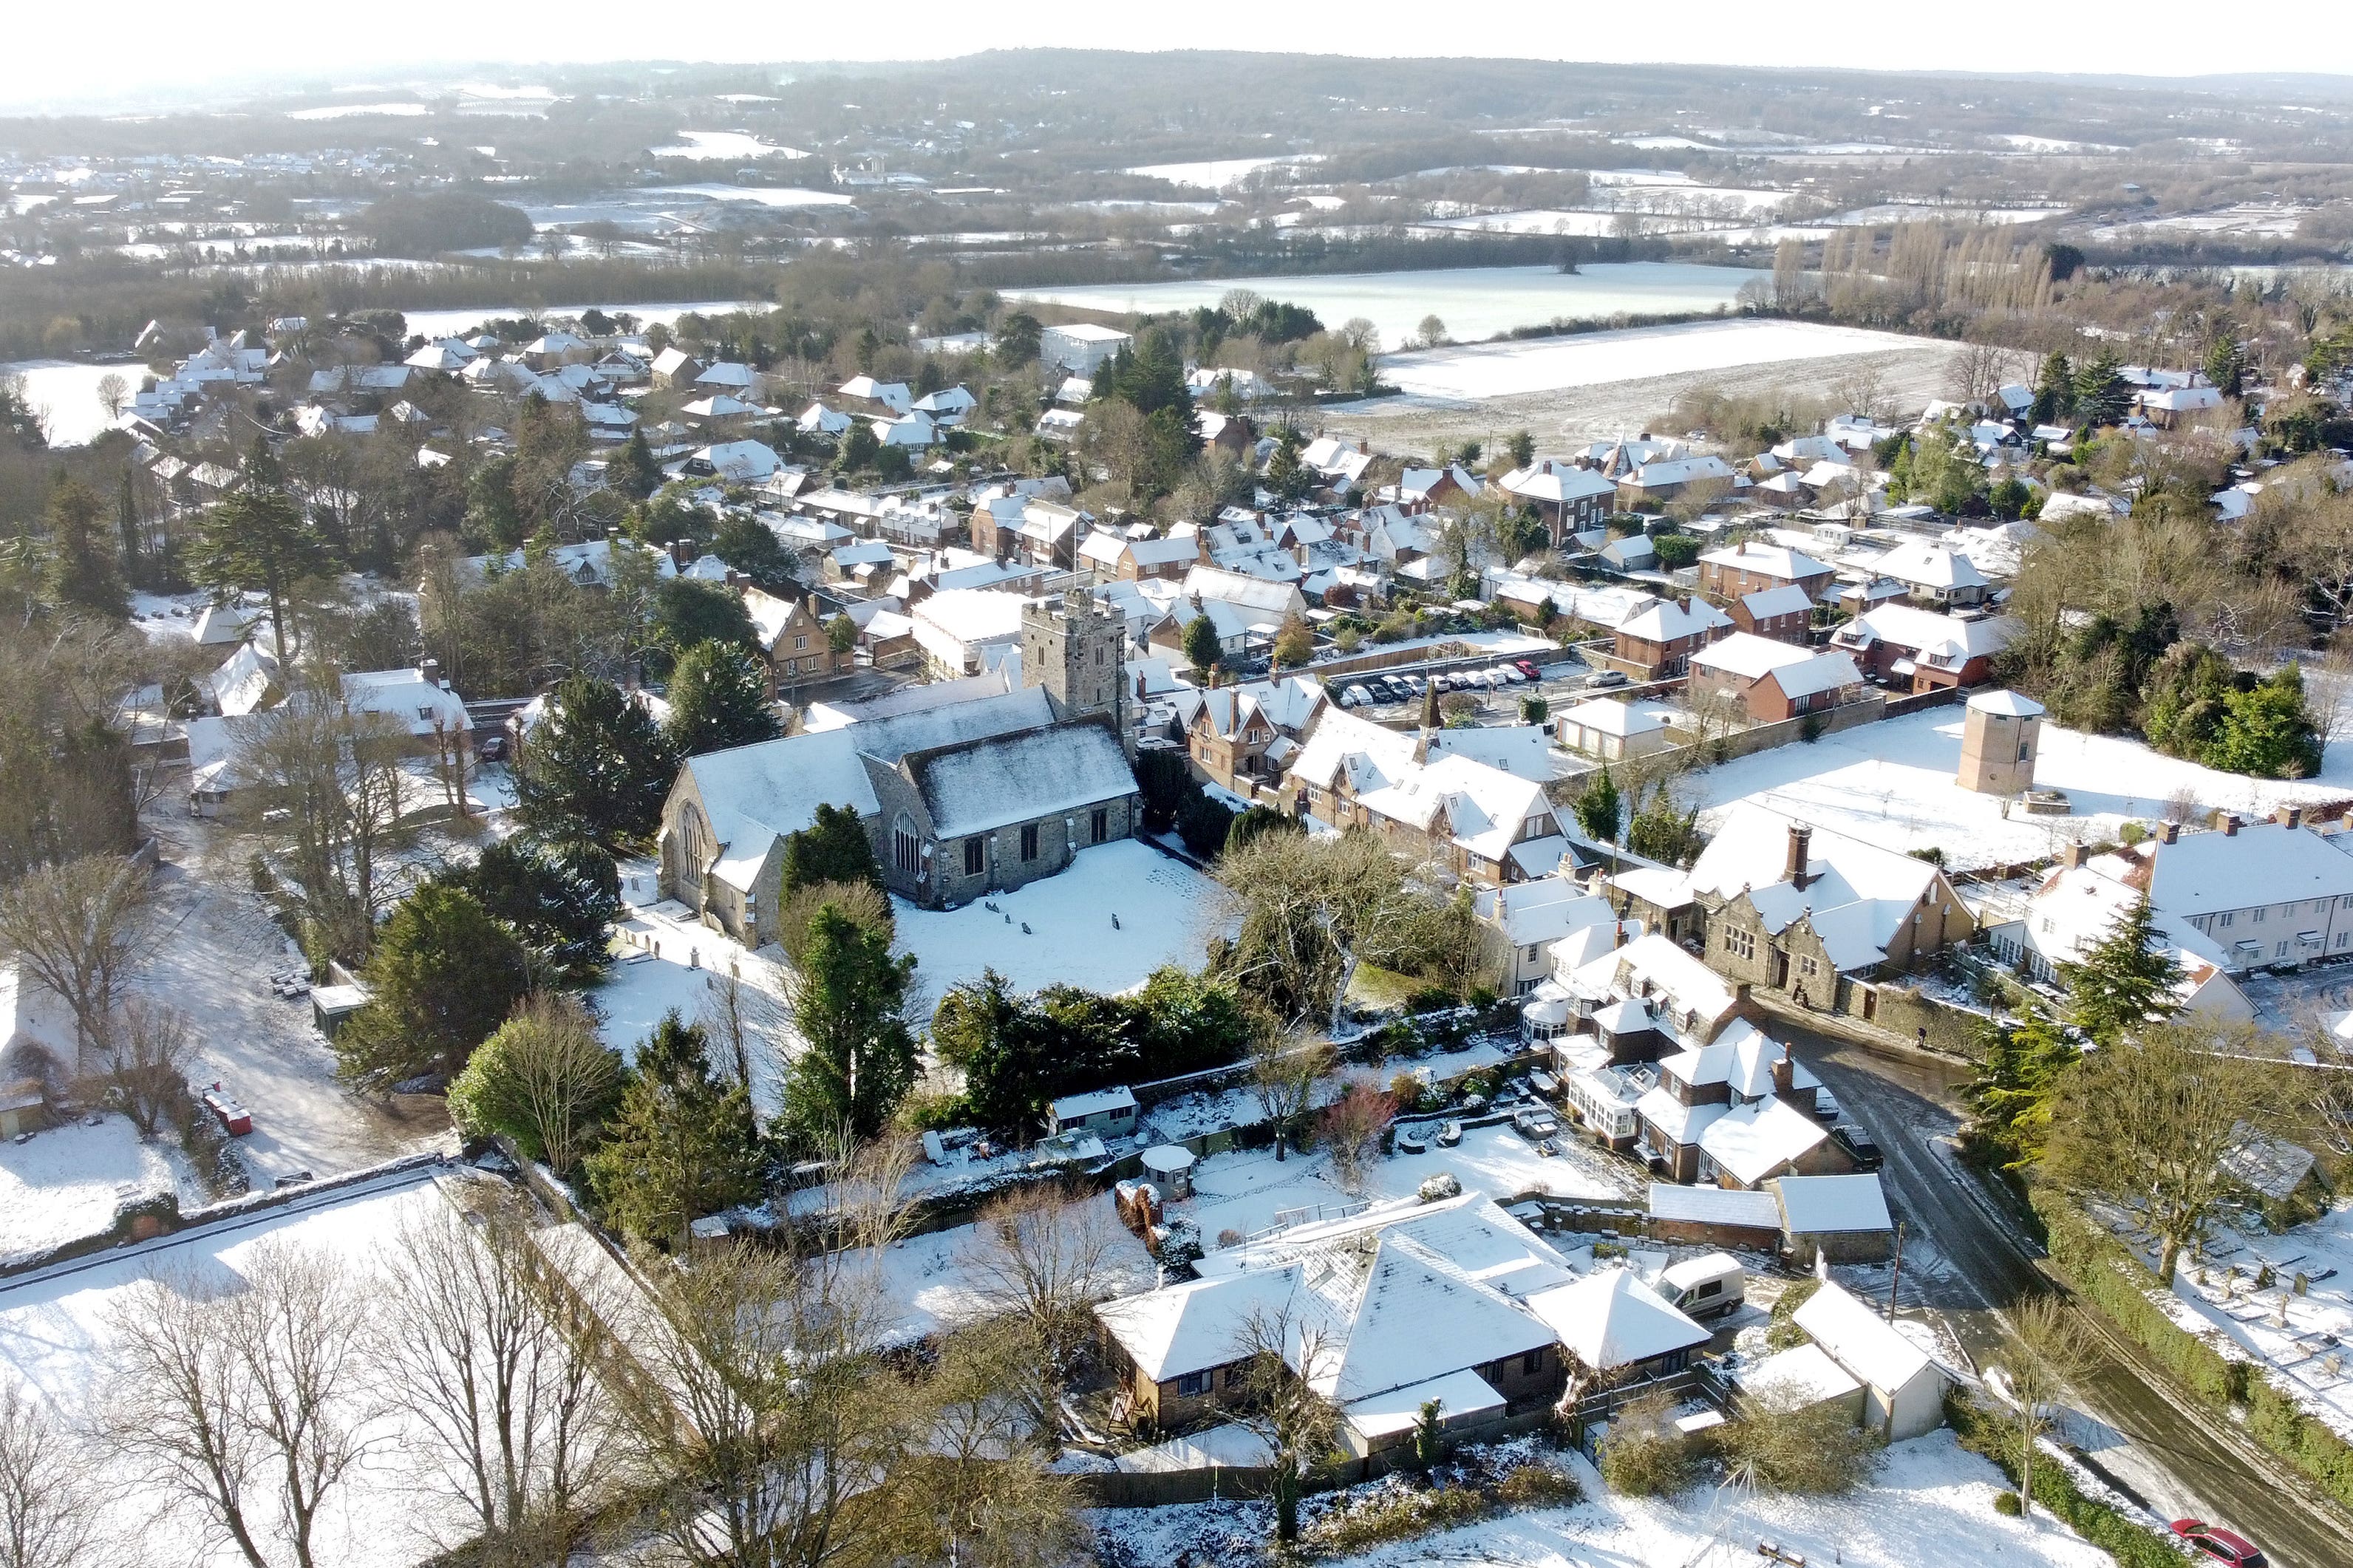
[
  {"x": 490, "y": 749},
  {"x": 1449, "y": 1135},
  {"x": 1607, "y": 677},
  {"x": 2222, "y": 1545},
  {"x": 1417, "y": 684},
  {"x": 1826, "y": 1105},
  {"x": 1504, "y": 675},
  {"x": 1528, "y": 666},
  {"x": 1534, "y": 1123},
  {"x": 1859, "y": 1145}
]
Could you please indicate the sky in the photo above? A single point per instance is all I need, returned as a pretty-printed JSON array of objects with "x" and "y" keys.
[{"x": 216, "y": 42}]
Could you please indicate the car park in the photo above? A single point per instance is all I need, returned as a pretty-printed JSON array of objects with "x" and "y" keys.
[{"x": 2218, "y": 1544}]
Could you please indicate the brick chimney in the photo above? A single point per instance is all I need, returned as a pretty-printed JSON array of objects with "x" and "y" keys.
[
  {"x": 1793, "y": 868},
  {"x": 1783, "y": 1072},
  {"x": 2289, "y": 816},
  {"x": 2169, "y": 833},
  {"x": 2231, "y": 825},
  {"x": 2073, "y": 855}
]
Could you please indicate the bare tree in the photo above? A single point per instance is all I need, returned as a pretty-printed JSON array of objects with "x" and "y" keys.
[
  {"x": 1978, "y": 371},
  {"x": 146, "y": 1076},
  {"x": 1350, "y": 1131},
  {"x": 1042, "y": 1257},
  {"x": 2053, "y": 1349},
  {"x": 81, "y": 928},
  {"x": 113, "y": 393},
  {"x": 1286, "y": 1067},
  {"x": 1285, "y": 1354},
  {"x": 515, "y": 1424},
  {"x": 556, "y": 1077},
  {"x": 975, "y": 1492},
  {"x": 245, "y": 1401},
  {"x": 1861, "y": 389},
  {"x": 48, "y": 1510}
]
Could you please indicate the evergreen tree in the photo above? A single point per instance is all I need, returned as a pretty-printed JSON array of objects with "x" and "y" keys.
[
  {"x": 684, "y": 1143},
  {"x": 83, "y": 574},
  {"x": 2055, "y": 389},
  {"x": 2125, "y": 980},
  {"x": 632, "y": 470},
  {"x": 2226, "y": 365},
  {"x": 1430, "y": 716},
  {"x": 443, "y": 974},
  {"x": 1288, "y": 479},
  {"x": 1662, "y": 833},
  {"x": 2012, "y": 1093},
  {"x": 560, "y": 901},
  {"x": 745, "y": 544},
  {"x": 594, "y": 770},
  {"x": 543, "y": 1080},
  {"x": 2267, "y": 732},
  {"x": 979, "y": 1029},
  {"x": 1521, "y": 449},
  {"x": 131, "y": 533},
  {"x": 258, "y": 539},
  {"x": 1599, "y": 808},
  {"x": 832, "y": 848},
  {"x": 718, "y": 698},
  {"x": 859, "y": 1059},
  {"x": 1202, "y": 648},
  {"x": 2101, "y": 396},
  {"x": 687, "y": 612}
]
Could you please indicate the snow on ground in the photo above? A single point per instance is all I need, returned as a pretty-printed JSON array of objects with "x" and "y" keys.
[
  {"x": 1165, "y": 910},
  {"x": 927, "y": 1281},
  {"x": 163, "y": 617},
  {"x": 1243, "y": 1190},
  {"x": 2310, "y": 1350},
  {"x": 55, "y": 1336},
  {"x": 763, "y": 195},
  {"x": 672, "y": 963},
  {"x": 1894, "y": 784},
  {"x": 1930, "y": 1505},
  {"x": 725, "y": 146},
  {"x": 220, "y": 949},
  {"x": 1543, "y": 365},
  {"x": 1216, "y": 174},
  {"x": 63, "y": 1183},
  {"x": 64, "y": 392}
]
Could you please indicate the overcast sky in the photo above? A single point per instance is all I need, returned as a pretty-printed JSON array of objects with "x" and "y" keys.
[{"x": 68, "y": 53}]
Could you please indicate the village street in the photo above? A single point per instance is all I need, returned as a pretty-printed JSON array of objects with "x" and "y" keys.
[{"x": 2155, "y": 1445}]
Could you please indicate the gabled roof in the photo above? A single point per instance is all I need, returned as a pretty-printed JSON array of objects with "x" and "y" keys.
[
  {"x": 1199, "y": 1324},
  {"x": 1611, "y": 1319},
  {"x": 2261, "y": 863},
  {"x": 978, "y": 787},
  {"x": 1871, "y": 891},
  {"x": 1929, "y": 566},
  {"x": 1778, "y": 560},
  {"x": 1861, "y": 1341},
  {"x": 1752, "y": 657},
  {"x": 1669, "y": 620}
]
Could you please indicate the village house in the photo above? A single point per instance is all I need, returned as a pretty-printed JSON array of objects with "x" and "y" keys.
[
  {"x": 1914, "y": 649},
  {"x": 2079, "y": 901},
  {"x": 1569, "y": 497},
  {"x": 1934, "y": 574},
  {"x": 2262, "y": 893},
  {"x": 1763, "y": 1100},
  {"x": 1657, "y": 640},
  {"x": 1110, "y": 557},
  {"x": 1485, "y": 824},
  {"x": 1751, "y": 568},
  {"x": 1842, "y": 1218},
  {"x": 1815, "y": 916},
  {"x": 1768, "y": 682},
  {"x": 793, "y": 641},
  {"x": 1245, "y": 610},
  {"x": 965, "y": 797},
  {"x": 1242, "y": 737},
  {"x": 1662, "y": 480},
  {"x": 963, "y": 631},
  {"x": 1783, "y": 614},
  {"x": 1527, "y": 919},
  {"x": 1081, "y": 348}
]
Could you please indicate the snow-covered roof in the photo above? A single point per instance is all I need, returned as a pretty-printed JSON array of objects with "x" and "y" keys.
[
  {"x": 1925, "y": 565},
  {"x": 1523, "y": 750},
  {"x": 1781, "y": 599},
  {"x": 1199, "y": 1324},
  {"x": 1609, "y": 717},
  {"x": 1557, "y": 483},
  {"x": 244, "y": 681},
  {"x": 2261, "y": 863},
  {"x": 1826, "y": 1205},
  {"x": 1754, "y": 1140},
  {"x": 1743, "y": 1057},
  {"x": 1543, "y": 910},
  {"x": 2009, "y": 704},
  {"x": 1856, "y": 894},
  {"x": 1714, "y": 1205},
  {"x": 1796, "y": 1378},
  {"x": 1677, "y": 1123},
  {"x": 1094, "y": 1102},
  {"x": 405, "y": 695},
  {"x": 1610, "y": 1319},
  {"x": 1752, "y": 657},
  {"x": 1946, "y": 641},
  {"x": 978, "y": 787},
  {"x": 1658, "y": 965},
  {"x": 1776, "y": 561},
  {"x": 1862, "y": 1343},
  {"x": 1460, "y": 1395},
  {"x": 1670, "y": 620}
]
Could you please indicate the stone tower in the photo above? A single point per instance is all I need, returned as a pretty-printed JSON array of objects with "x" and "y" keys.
[
  {"x": 1077, "y": 653},
  {"x": 1999, "y": 736}
]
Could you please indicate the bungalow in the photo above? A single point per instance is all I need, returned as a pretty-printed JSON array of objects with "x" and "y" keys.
[
  {"x": 1106, "y": 1112},
  {"x": 1658, "y": 639},
  {"x": 948, "y": 407},
  {"x": 1904, "y": 1388},
  {"x": 891, "y": 397},
  {"x": 1768, "y": 682},
  {"x": 1614, "y": 732},
  {"x": 1934, "y": 574}
]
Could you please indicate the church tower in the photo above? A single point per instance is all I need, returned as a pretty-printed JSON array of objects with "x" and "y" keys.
[{"x": 1077, "y": 653}]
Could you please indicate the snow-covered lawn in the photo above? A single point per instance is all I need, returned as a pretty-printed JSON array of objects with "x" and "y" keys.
[
  {"x": 1894, "y": 784},
  {"x": 1163, "y": 908},
  {"x": 925, "y": 1276},
  {"x": 1929, "y": 1505},
  {"x": 2311, "y": 1349},
  {"x": 1243, "y": 1191},
  {"x": 670, "y": 962},
  {"x": 55, "y": 1336},
  {"x": 1544, "y": 364},
  {"x": 63, "y": 1183}
]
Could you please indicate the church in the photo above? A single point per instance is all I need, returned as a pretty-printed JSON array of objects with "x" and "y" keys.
[{"x": 966, "y": 787}]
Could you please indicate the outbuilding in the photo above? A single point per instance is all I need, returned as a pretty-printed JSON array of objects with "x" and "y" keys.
[
  {"x": 1106, "y": 1112},
  {"x": 1842, "y": 1219}
]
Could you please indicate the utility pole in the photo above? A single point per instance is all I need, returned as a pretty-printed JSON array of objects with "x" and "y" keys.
[{"x": 1895, "y": 1276}]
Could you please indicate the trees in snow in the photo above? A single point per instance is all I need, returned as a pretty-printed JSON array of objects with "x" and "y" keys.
[
  {"x": 595, "y": 769},
  {"x": 2125, "y": 980},
  {"x": 444, "y": 974},
  {"x": 543, "y": 1080},
  {"x": 683, "y": 1143},
  {"x": 48, "y": 1507},
  {"x": 81, "y": 928},
  {"x": 1039, "y": 1258},
  {"x": 850, "y": 1002}
]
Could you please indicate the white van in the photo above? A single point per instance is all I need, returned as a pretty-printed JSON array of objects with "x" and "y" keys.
[{"x": 1705, "y": 1286}]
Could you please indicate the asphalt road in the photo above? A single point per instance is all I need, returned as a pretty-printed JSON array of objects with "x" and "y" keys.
[{"x": 2172, "y": 1458}]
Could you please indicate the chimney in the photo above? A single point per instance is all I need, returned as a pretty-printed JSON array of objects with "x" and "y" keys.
[
  {"x": 613, "y": 539},
  {"x": 2289, "y": 816},
  {"x": 2169, "y": 833},
  {"x": 1793, "y": 869},
  {"x": 2073, "y": 855},
  {"x": 2231, "y": 825},
  {"x": 430, "y": 671}
]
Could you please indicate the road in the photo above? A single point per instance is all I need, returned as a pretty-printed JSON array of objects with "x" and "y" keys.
[{"x": 2142, "y": 1436}]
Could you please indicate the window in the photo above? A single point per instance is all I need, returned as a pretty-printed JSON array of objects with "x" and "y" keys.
[
  {"x": 906, "y": 848},
  {"x": 1100, "y": 824},
  {"x": 2023, "y": 749},
  {"x": 1807, "y": 965},
  {"x": 1739, "y": 942},
  {"x": 2227, "y": 918},
  {"x": 799, "y": 644},
  {"x": 976, "y": 857},
  {"x": 1029, "y": 841},
  {"x": 1193, "y": 1384},
  {"x": 2259, "y": 915},
  {"x": 2341, "y": 936},
  {"x": 2280, "y": 951},
  {"x": 1532, "y": 1363}
]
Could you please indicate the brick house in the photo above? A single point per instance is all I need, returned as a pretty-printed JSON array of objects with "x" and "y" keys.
[
  {"x": 794, "y": 642},
  {"x": 1570, "y": 498},
  {"x": 1768, "y": 682},
  {"x": 1914, "y": 649},
  {"x": 1783, "y": 614},
  {"x": 1727, "y": 575},
  {"x": 1240, "y": 736},
  {"x": 1658, "y": 639}
]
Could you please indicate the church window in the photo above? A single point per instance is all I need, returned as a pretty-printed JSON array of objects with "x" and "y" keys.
[
  {"x": 1102, "y": 823},
  {"x": 1029, "y": 841},
  {"x": 906, "y": 846}
]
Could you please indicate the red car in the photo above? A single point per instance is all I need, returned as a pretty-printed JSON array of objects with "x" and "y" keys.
[
  {"x": 1526, "y": 667},
  {"x": 2222, "y": 1545}
]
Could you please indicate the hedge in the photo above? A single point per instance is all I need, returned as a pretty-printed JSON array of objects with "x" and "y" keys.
[
  {"x": 2103, "y": 1271},
  {"x": 2132, "y": 1545}
]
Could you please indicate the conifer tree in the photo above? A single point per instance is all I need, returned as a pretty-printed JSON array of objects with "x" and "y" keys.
[
  {"x": 2013, "y": 1089},
  {"x": 595, "y": 769},
  {"x": 2101, "y": 396},
  {"x": 2125, "y": 980},
  {"x": 832, "y": 848},
  {"x": 683, "y": 1145},
  {"x": 851, "y": 1008},
  {"x": 442, "y": 976},
  {"x": 718, "y": 698},
  {"x": 83, "y": 574},
  {"x": 1600, "y": 809}
]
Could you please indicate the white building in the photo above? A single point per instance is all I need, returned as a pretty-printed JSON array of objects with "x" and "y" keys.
[
  {"x": 1081, "y": 348},
  {"x": 1903, "y": 1386}
]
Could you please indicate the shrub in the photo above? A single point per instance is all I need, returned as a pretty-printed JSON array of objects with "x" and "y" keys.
[
  {"x": 2006, "y": 1504},
  {"x": 1644, "y": 1455},
  {"x": 1539, "y": 1484},
  {"x": 1996, "y": 1437},
  {"x": 1393, "y": 1515},
  {"x": 1816, "y": 1450},
  {"x": 1784, "y": 1333}
]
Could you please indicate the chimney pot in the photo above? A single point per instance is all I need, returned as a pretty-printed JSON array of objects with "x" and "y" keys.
[
  {"x": 2289, "y": 816},
  {"x": 1793, "y": 869},
  {"x": 2169, "y": 833}
]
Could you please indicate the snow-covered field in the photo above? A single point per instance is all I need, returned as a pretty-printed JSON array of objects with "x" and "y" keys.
[
  {"x": 2310, "y": 1346},
  {"x": 723, "y": 146},
  {"x": 63, "y": 1183},
  {"x": 1929, "y": 1505},
  {"x": 766, "y": 195},
  {"x": 1893, "y": 784},
  {"x": 1543, "y": 365},
  {"x": 65, "y": 393},
  {"x": 1474, "y": 302},
  {"x": 1550, "y": 220},
  {"x": 1165, "y": 910},
  {"x": 55, "y": 1336},
  {"x": 442, "y": 323},
  {"x": 1215, "y": 174}
]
